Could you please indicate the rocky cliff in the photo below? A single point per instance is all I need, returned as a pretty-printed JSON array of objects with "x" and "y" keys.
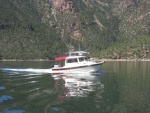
[{"x": 95, "y": 25}]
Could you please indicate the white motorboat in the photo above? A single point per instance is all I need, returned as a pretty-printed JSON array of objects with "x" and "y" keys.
[
  {"x": 72, "y": 62},
  {"x": 76, "y": 62}
]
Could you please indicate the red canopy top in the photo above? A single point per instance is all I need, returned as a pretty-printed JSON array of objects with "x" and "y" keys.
[{"x": 60, "y": 58}]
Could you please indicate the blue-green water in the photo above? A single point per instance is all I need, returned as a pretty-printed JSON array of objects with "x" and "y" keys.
[{"x": 120, "y": 87}]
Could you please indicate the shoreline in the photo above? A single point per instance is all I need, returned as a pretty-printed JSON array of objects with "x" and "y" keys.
[
  {"x": 123, "y": 60},
  {"x": 93, "y": 59},
  {"x": 25, "y": 60}
]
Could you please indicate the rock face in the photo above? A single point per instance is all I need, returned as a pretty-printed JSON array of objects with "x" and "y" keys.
[
  {"x": 58, "y": 3},
  {"x": 124, "y": 15},
  {"x": 94, "y": 24},
  {"x": 62, "y": 5},
  {"x": 99, "y": 21}
]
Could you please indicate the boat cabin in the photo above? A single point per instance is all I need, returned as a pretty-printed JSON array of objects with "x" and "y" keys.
[{"x": 72, "y": 59}]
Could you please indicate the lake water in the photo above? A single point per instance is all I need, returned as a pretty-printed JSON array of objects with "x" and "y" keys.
[{"x": 120, "y": 87}]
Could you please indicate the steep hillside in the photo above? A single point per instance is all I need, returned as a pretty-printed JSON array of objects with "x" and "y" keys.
[
  {"x": 22, "y": 35},
  {"x": 90, "y": 23},
  {"x": 45, "y": 28},
  {"x": 134, "y": 16},
  {"x": 134, "y": 49}
]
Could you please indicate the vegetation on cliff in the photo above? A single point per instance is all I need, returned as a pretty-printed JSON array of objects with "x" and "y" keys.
[
  {"x": 43, "y": 29},
  {"x": 23, "y": 36}
]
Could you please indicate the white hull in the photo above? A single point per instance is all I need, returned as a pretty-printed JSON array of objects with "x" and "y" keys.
[{"x": 77, "y": 69}]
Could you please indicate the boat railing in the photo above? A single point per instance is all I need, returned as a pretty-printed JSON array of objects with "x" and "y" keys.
[{"x": 77, "y": 53}]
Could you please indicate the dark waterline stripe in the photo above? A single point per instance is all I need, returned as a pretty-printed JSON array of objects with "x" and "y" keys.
[{"x": 74, "y": 67}]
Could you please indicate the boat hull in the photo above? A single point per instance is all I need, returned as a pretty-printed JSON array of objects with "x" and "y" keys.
[{"x": 77, "y": 69}]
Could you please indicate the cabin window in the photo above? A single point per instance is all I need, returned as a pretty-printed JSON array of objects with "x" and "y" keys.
[
  {"x": 87, "y": 58},
  {"x": 81, "y": 59},
  {"x": 72, "y": 60}
]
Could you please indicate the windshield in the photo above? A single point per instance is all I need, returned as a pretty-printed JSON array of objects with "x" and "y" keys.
[{"x": 83, "y": 59}]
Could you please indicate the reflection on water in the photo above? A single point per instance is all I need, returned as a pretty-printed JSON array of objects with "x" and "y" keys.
[
  {"x": 77, "y": 85},
  {"x": 29, "y": 92},
  {"x": 2, "y": 87},
  {"x": 5, "y": 97},
  {"x": 12, "y": 111},
  {"x": 124, "y": 88}
]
